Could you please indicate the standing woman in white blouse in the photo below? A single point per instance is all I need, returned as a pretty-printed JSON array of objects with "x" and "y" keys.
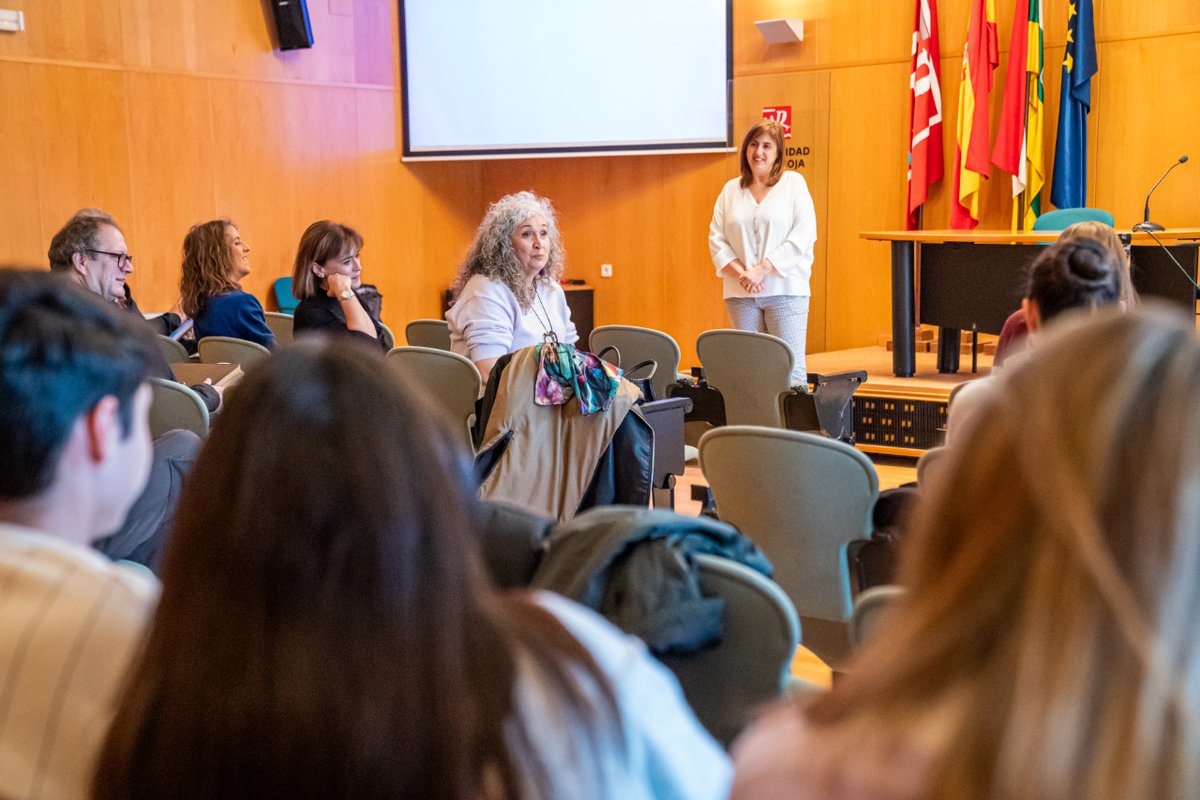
[
  {"x": 507, "y": 293},
  {"x": 761, "y": 239}
]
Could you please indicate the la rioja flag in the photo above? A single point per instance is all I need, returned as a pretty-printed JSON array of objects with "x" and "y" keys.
[{"x": 925, "y": 110}]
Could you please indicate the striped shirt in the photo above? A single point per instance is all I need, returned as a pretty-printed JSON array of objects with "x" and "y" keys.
[{"x": 70, "y": 623}]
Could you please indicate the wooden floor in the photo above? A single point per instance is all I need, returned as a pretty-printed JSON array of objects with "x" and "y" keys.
[{"x": 927, "y": 383}]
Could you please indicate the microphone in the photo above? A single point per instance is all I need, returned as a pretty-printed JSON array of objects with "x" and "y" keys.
[{"x": 1146, "y": 224}]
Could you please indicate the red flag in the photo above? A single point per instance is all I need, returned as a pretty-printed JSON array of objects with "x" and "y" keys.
[
  {"x": 1010, "y": 133},
  {"x": 981, "y": 56},
  {"x": 925, "y": 110}
]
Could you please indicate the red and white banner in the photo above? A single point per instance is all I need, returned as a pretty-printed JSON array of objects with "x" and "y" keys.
[
  {"x": 782, "y": 115},
  {"x": 925, "y": 165}
]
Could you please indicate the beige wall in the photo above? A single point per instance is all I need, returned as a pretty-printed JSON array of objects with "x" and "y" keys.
[{"x": 167, "y": 114}]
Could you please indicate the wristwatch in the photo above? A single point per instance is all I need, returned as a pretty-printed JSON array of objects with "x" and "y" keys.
[{"x": 345, "y": 295}]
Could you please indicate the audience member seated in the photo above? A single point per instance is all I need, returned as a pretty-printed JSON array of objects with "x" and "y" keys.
[
  {"x": 74, "y": 454},
  {"x": 1072, "y": 273},
  {"x": 1047, "y": 645},
  {"x": 327, "y": 278},
  {"x": 215, "y": 259},
  {"x": 507, "y": 293},
  {"x": 1012, "y": 336},
  {"x": 327, "y": 630},
  {"x": 90, "y": 250}
]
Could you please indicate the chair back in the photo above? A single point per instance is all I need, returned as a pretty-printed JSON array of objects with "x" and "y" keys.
[
  {"x": 1063, "y": 218},
  {"x": 803, "y": 498},
  {"x": 868, "y": 611},
  {"x": 451, "y": 380},
  {"x": 282, "y": 289},
  {"x": 228, "y": 350},
  {"x": 385, "y": 334},
  {"x": 172, "y": 351},
  {"x": 174, "y": 406},
  {"x": 637, "y": 345},
  {"x": 929, "y": 465},
  {"x": 727, "y": 685},
  {"x": 280, "y": 325},
  {"x": 433, "y": 333},
  {"x": 751, "y": 370}
]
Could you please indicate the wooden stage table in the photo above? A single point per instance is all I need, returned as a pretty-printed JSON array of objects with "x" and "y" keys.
[{"x": 973, "y": 280}]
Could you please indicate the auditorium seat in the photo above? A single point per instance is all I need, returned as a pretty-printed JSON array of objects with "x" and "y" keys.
[
  {"x": 804, "y": 499},
  {"x": 1063, "y": 218}
]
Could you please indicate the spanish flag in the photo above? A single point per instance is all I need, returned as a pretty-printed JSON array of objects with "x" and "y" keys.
[
  {"x": 981, "y": 55},
  {"x": 1019, "y": 137}
]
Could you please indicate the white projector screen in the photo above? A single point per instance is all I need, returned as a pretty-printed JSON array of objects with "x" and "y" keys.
[{"x": 519, "y": 78}]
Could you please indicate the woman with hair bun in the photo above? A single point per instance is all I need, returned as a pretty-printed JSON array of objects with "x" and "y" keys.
[
  {"x": 507, "y": 293},
  {"x": 761, "y": 239},
  {"x": 1012, "y": 335},
  {"x": 1073, "y": 273}
]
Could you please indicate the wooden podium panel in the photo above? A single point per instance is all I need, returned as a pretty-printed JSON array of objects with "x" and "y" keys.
[{"x": 973, "y": 280}]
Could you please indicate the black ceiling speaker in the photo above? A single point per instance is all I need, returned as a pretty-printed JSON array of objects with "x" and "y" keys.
[{"x": 291, "y": 22}]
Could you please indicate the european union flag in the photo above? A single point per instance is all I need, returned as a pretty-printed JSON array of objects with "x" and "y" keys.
[{"x": 1069, "y": 189}]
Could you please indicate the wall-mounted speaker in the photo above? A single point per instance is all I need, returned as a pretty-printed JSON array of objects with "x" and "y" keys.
[{"x": 292, "y": 25}]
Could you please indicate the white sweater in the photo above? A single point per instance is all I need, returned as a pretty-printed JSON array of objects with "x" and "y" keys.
[
  {"x": 488, "y": 322},
  {"x": 782, "y": 228}
]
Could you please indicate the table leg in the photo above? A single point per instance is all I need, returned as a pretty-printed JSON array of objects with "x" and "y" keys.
[
  {"x": 948, "y": 347},
  {"x": 904, "y": 346}
]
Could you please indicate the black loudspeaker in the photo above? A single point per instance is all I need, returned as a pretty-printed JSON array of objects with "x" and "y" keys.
[{"x": 291, "y": 22}]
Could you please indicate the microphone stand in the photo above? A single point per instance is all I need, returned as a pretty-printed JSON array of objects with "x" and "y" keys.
[{"x": 1146, "y": 225}]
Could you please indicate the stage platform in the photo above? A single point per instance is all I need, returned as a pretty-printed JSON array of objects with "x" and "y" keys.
[{"x": 898, "y": 416}]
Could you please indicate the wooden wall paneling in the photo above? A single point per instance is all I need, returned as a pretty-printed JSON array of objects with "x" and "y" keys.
[
  {"x": 416, "y": 218},
  {"x": 286, "y": 157},
  {"x": 66, "y": 30},
  {"x": 163, "y": 36},
  {"x": 82, "y": 142},
  {"x": 1145, "y": 114},
  {"x": 867, "y": 151},
  {"x": 169, "y": 123},
  {"x": 376, "y": 43},
  {"x": 1138, "y": 18},
  {"x": 22, "y": 241}
]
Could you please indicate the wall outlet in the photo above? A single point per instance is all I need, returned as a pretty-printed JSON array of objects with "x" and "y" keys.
[
  {"x": 12, "y": 21},
  {"x": 606, "y": 270}
]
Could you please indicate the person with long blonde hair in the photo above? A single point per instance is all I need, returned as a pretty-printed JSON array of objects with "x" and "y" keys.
[
  {"x": 1048, "y": 645},
  {"x": 215, "y": 260}
]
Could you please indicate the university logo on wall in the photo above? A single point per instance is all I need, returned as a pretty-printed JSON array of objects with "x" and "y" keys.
[{"x": 782, "y": 115}]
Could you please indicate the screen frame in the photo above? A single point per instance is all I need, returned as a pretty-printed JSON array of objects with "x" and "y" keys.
[{"x": 566, "y": 151}]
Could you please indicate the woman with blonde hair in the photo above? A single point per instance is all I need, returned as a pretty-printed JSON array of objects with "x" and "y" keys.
[
  {"x": 1048, "y": 645},
  {"x": 215, "y": 260},
  {"x": 507, "y": 293},
  {"x": 761, "y": 239}
]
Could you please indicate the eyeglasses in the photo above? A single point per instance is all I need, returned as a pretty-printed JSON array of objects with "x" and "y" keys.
[{"x": 123, "y": 259}]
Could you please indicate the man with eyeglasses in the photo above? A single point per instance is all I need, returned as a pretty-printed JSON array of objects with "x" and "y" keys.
[{"x": 90, "y": 250}]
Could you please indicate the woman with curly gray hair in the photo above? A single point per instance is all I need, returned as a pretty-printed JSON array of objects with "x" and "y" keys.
[{"x": 507, "y": 291}]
